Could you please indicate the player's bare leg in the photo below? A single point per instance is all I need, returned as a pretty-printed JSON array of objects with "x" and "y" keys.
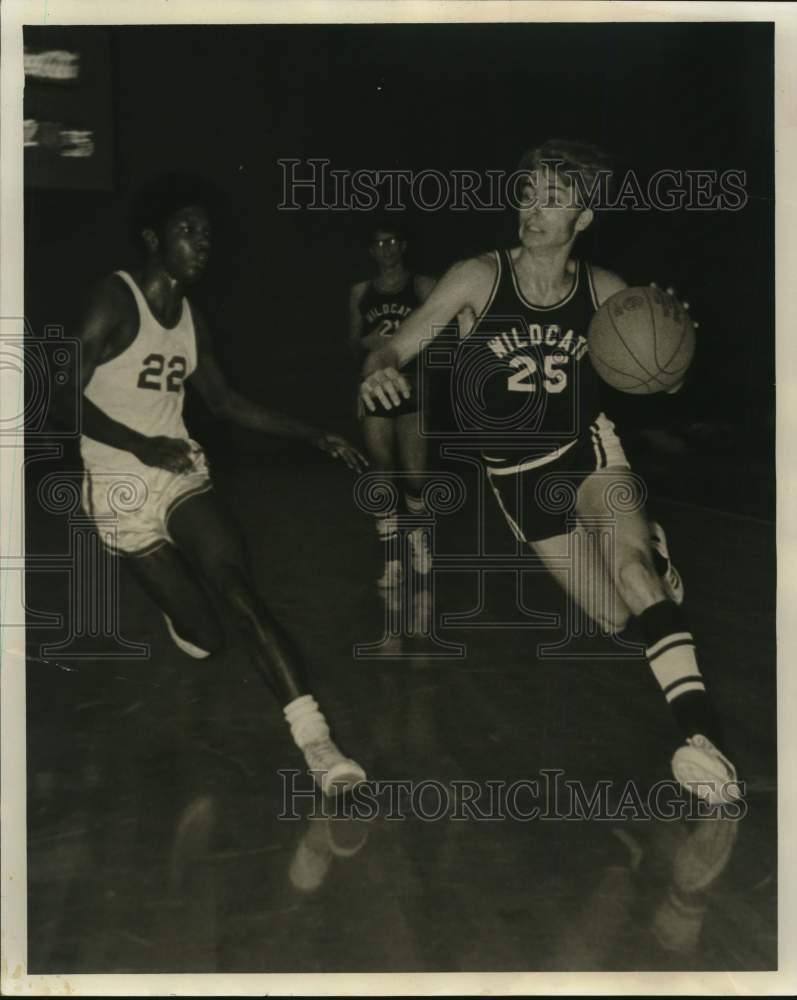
[
  {"x": 635, "y": 578},
  {"x": 670, "y": 646},
  {"x": 186, "y": 607},
  {"x": 205, "y": 537},
  {"x": 640, "y": 593},
  {"x": 413, "y": 450},
  {"x": 604, "y": 605},
  {"x": 380, "y": 444}
]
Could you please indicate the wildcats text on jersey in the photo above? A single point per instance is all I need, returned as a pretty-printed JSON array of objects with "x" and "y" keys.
[
  {"x": 522, "y": 376},
  {"x": 388, "y": 309},
  {"x": 536, "y": 335}
]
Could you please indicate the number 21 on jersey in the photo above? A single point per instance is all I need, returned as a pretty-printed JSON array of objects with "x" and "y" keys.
[{"x": 554, "y": 381}]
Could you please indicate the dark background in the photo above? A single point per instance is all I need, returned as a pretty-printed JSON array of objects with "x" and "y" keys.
[{"x": 230, "y": 101}]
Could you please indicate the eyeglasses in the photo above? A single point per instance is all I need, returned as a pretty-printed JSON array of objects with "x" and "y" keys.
[{"x": 391, "y": 241}]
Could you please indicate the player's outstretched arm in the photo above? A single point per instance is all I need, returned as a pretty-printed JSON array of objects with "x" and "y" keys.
[
  {"x": 424, "y": 286},
  {"x": 227, "y": 404},
  {"x": 466, "y": 284},
  {"x": 101, "y": 333}
]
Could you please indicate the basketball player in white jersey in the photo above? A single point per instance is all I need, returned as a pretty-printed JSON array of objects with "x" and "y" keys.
[
  {"x": 141, "y": 339},
  {"x": 527, "y": 355},
  {"x": 393, "y": 438}
]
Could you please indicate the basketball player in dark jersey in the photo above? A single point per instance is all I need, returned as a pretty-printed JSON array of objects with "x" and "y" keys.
[
  {"x": 523, "y": 378},
  {"x": 141, "y": 338},
  {"x": 393, "y": 438}
]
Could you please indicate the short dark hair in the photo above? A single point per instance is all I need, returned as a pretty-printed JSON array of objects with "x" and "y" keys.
[
  {"x": 386, "y": 224},
  {"x": 160, "y": 197},
  {"x": 582, "y": 163}
]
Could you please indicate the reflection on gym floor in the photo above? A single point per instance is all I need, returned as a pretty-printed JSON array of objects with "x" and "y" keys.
[{"x": 158, "y": 835}]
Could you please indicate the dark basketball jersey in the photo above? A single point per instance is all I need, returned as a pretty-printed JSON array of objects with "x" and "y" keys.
[
  {"x": 384, "y": 312},
  {"x": 522, "y": 379}
]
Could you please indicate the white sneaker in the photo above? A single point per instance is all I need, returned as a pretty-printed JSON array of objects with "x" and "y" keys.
[
  {"x": 332, "y": 772},
  {"x": 673, "y": 584},
  {"x": 701, "y": 769},
  {"x": 421, "y": 556},
  {"x": 184, "y": 644},
  {"x": 392, "y": 575}
]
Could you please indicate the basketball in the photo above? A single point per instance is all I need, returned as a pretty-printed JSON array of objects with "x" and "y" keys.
[{"x": 641, "y": 340}]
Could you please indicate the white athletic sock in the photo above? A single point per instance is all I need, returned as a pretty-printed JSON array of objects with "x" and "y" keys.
[
  {"x": 306, "y": 720},
  {"x": 414, "y": 502}
]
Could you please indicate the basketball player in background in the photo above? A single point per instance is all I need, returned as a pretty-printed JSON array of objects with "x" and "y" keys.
[
  {"x": 141, "y": 340},
  {"x": 393, "y": 439},
  {"x": 527, "y": 354}
]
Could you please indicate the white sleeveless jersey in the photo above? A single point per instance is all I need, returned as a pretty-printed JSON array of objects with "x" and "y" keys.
[{"x": 142, "y": 387}]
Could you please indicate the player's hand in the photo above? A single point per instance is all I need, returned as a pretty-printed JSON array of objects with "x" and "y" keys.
[
  {"x": 339, "y": 447},
  {"x": 161, "y": 452},
  {"x": 684, "y": 305},
  {"x": 383, "y": 381}
]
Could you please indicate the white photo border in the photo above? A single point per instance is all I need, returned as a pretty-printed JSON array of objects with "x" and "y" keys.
[{"x": 15, "y": 13}]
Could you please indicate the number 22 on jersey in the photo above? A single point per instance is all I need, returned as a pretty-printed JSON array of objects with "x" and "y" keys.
[{"x": 151, "y": 375}]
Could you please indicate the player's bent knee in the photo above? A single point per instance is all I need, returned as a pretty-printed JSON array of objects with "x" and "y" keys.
[
  {"x": 616, "y": 625},
  {"x": 637, "y": 581}
]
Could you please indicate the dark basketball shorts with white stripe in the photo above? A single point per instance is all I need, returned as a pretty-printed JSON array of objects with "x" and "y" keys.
[{"x": 535, "y": 494}]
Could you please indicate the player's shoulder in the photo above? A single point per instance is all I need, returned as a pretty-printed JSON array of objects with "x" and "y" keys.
[
  {"x": 605, "y": 282},
  {"x": 112, "y": 288},
  {"x": 359, "y": 288},
  {"x": 110, "y": 299},
  {"x": 481, "y": 268}
]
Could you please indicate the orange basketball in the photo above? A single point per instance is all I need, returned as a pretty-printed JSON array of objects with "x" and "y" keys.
[{"x": 641, "y": 340}]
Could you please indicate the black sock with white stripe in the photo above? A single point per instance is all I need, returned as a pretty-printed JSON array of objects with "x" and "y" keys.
[
  {"x": 670, "y": 649},
  {"x": 413, "y": 501}
]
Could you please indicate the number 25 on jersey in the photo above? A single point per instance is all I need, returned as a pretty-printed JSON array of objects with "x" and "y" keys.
[
  {"x": 554, "y": 381},
  {"x": 151, "y": 375}
]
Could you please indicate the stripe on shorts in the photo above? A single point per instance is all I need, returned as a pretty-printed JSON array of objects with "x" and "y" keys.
[
  {"x": 509, "y": 519},
  {"x": 609, "y": 443},
  {"x": 597, "y": 444},
  {"x": 194, "y": 492}
]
